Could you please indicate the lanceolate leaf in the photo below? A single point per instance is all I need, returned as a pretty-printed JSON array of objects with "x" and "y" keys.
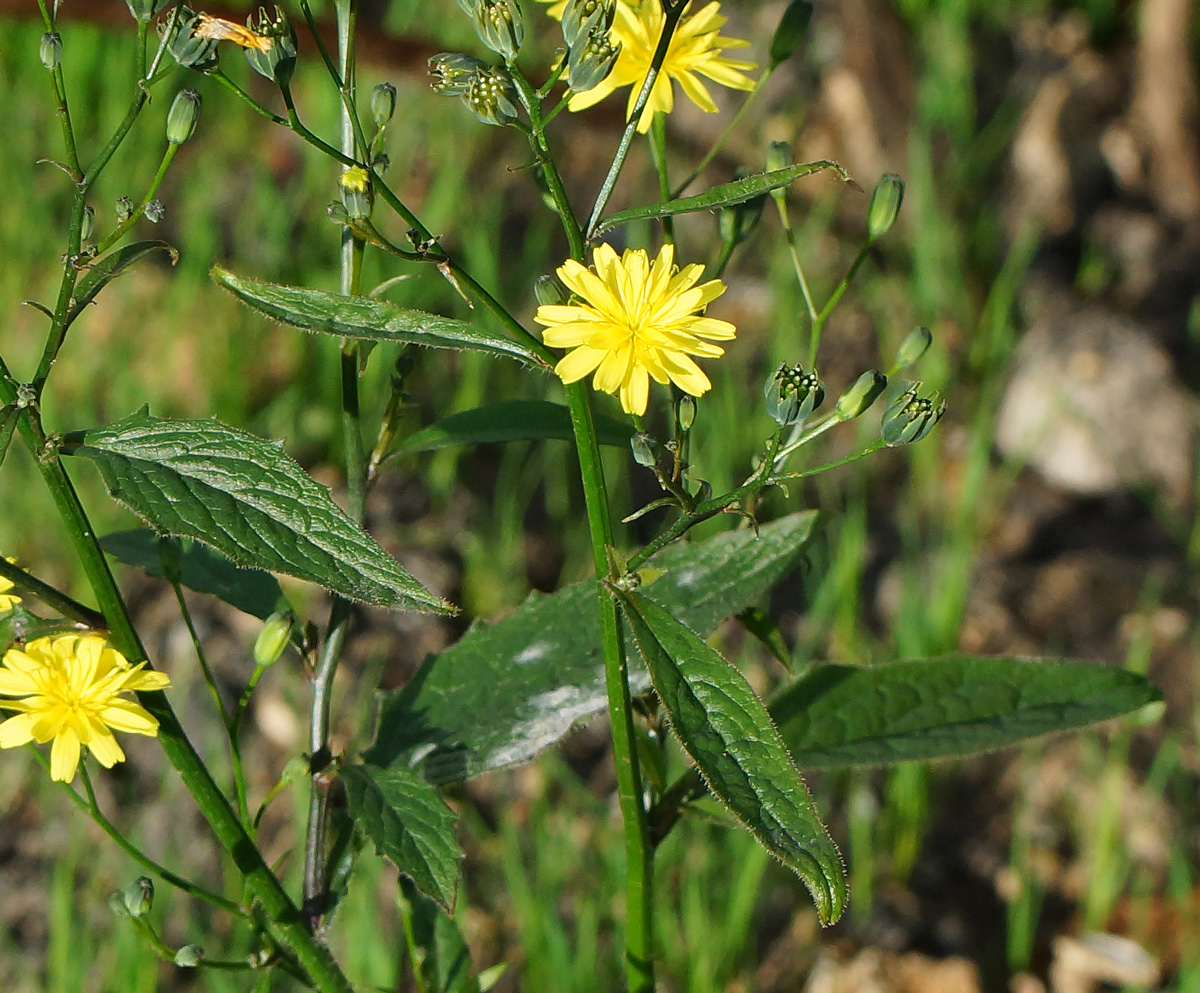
[
  {"x": 362, "y": 317},
  {"x": 505, "y": 692},
  {"x": 933, "y": 708},
  {"x": 252, "y": 591},
  {"x": 725, "y": 195},
  {"x": 726, "y": 730},
  {"x": 410, "y": 825},
  {"x": 513, "y": 420},
  {"x": 242, "y": 495},
  {"x": 101, "y": 272}
]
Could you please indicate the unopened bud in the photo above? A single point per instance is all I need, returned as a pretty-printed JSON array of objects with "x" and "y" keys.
[
  {"x": 779, "y": 155},
  {"x": 687, "y": 412},
  {"x": 154, "y": 211},
  {"x": 642, "y": 446},
  {"x": 124, "y": 209},
  {"x": 181, "y": 118},
  {"x": 452, "y": 73},
  {"x": 500, "y": 26},
  {"x": 581, "y": 17},
  {"x": 885, "y": 205},
  {"x": 355, "y": 187},
  {"x": 277, "y": 60},
  {"x": 383, "y": 103},
  {"x": 50, "y": 50},
  {"x": 910, "y": 417},
  {"x": 89, "y": 223},
  {"x": 915, "y": 344},
  {"x": 792, "y": 395},
  {"x": 492, "y": 96},
  {"x": 143, "y": 10},
  {"x": 273, "y": 638},
  {"x": 116, "y": 904},
  {"x": 549, "y": 291},
  {"x": 189, "y": 956},
  {"x": 591, "y": 59},
  {"x": 139, "y": 896},
  {"x": 861, "y": 395},
  {"x": 793, "y": 27}
]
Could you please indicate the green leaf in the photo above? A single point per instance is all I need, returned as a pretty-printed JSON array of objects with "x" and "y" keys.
[
  {"x": 438, "y": 951},
  {"x": 362, "y": 317},
  {"x": 252, "y": 591},
  {"x": 504, "y": 692},
  {"x": 933, "y": 708},
  {"x": 242, "y": 495},
  {"x": 409, "y": 824},
  {"x": 101, "y": 272},
  {"x": 725, "y": 195},
  {"x": 726, "y": 729},
  {"x": 513, "y": 420},
  {"x": 762, "y": 625}
]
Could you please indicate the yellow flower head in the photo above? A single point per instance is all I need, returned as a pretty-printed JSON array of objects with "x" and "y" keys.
[
  {"x": 636, "y": 320},
  {"x": 355, "y": 179},
  {"x": 7, "y": 600},
  {"x": 695, "y": 51},
  {"x": 70, "y": 690}
]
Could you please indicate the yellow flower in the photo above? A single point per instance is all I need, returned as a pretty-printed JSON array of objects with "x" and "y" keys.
[
  {"x": 636, "y": 321},
  {"x": 695, "y": 51},
  {"x": 70, "y": 688},
  {"x": 7, "y": 600}
]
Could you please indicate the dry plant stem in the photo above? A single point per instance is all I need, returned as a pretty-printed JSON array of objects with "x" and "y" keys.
[
  {"x": 321, "y": 781},
  {"x": 51, "y": 597},
  {"x": 285, "y": 922}
]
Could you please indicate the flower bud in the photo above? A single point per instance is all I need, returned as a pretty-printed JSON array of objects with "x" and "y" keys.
[
  {"x": 143, "y": 10},
  {"x": 581, "y": 17},
  {"x": 779, "y": 156},
  {"x": 687, "y": 412},
  {"x": 185, "y": 48},
  {"x": 793, "y": 27},
  {"x": 643, "y": 446},
  {"x": 792, "y": 395},
  {"x": 116, "y": 904},
  {"x": 452, "y": 73},
  {"x": 492, "y": 96},
  {"x": 915, "y": 344},
  {"x": 189, "y": 956},
  {"x": 273, "y": 638},
  {"x": 139, "y": 896},
  {"x": 181, "y": 118},
  {"x": 549, "y": 291},
  {"x": 861, "y": 395},
  {"x": 383, "y": 103},
  {"x": 50, "y": 50},
  {"x": 910, "y": 417},
  {"x": 500, "y": 26},
  {"x": 591, "y": 59},
  {"x": 278, "y": 60},
  {"x": 89, "y": 223},
  {"x": 124, "y": 209},
  {"x": 885, "y": 205},
  {"x": 154, "y": 211},
  {"x": 735, "y": 223},
  {"x": 355, "y": 188}
]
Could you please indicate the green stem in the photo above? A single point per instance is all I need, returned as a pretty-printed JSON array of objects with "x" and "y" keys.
[
  {"x": 247, "y": 99},
  {"x": 285, "y": 922},
  {"x": 713, "y": 152},
  {"x": 780, "y": 198},
  {"x": 56, "y": 599},
  {"x": 658, "y": 153},
  {"x": 92, "y": 808},
  {"x": 140, "y": 209},
  {"x": 672, "y": 14},
  {"x": 838, "y": 293}
]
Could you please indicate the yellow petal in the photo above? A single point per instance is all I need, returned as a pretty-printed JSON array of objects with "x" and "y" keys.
[
  {"x": 125, "y": 715},
  {"x": 64, "y": 756},
  {"x": 577, "y": 364},
  {"x": 106, "y": 749},
  {"x": 16, "y": 731}
]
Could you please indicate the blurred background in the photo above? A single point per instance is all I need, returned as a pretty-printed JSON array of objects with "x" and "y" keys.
[{"x": 1050, "y": 238}]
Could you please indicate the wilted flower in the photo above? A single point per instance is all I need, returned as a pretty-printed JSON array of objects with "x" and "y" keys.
[
  {"x": 695, "y": 51},
  {"x": 219, "y": 29},
  {"x": 636, "y": 320},
  {"x": 69, "y": 689}
]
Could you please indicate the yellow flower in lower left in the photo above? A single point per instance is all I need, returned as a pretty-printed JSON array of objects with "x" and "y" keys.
[{"x": 68, "y": 689}]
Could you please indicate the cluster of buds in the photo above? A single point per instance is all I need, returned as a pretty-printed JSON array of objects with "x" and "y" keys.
[
  {"x": 591, "y": 53},
  {"x": 792, "y": 395},
  {"x": 488, "y": 90},
  {"x": 498, "y": 23},
  {"x": 276, "y": 61},
  {"x": 910, "y": 416}
]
